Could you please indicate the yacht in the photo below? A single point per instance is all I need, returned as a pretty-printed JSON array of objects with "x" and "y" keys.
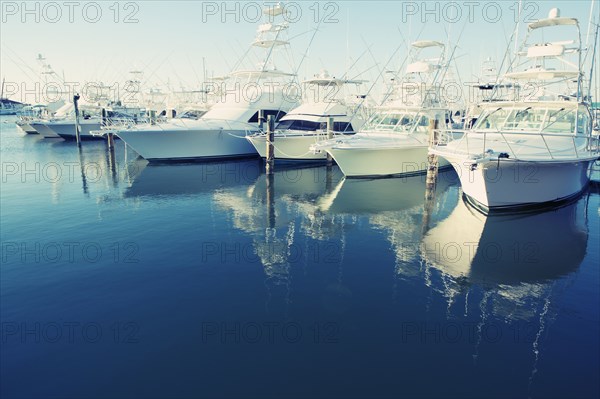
[
  {"x": 538, "y": 148},
  {"x": 9, "y": 107},
  {"x": 220, "y": 132},
  {"x": 62, "y": 124},
  {"x": 307, "y": 124},
  {"x": 396, "y": 138},
  {"x": 29, "y": 114}
]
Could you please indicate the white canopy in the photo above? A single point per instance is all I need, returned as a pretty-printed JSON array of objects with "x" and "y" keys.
[
  {"x": 541, "y": 74},
  {"x": 427, "y": 43},
  {"x": 543, "y": 23},
  {"x": 260, "y": 74}
]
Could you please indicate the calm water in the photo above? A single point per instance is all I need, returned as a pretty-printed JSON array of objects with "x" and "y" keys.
[{"x": 120, "y": 279}]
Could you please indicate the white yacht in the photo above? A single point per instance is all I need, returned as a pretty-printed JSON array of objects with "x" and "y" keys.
[
  {"x": 29, "y": 114},
  {"x": 220, "y": 132},
  {"x": 307, "y": 124},
  {"x": 396, "y": 139},
  {"x": 9, "y": 107},
  {"x": 64, "y": 118},
  {"x": 62, "y": 124},
  {"x": 538, "y": 149}
]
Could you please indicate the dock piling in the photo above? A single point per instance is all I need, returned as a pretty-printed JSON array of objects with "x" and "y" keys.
[
  {"x": 270, "y": 165},
  {"x": 432, "y": 160},
  {"x": 77, "y": 127},
  {"x": 329, "y": 137},
  {"x": 432, "y": 174}
]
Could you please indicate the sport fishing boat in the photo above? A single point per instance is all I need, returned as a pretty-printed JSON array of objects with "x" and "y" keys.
[
  {"x": 64, "y": 118},
  {"x": 29, "y": 114},
  {"x": 62, "y": 123},
  {"x": 537, "y": 149},
  {"x": 307, "y": 124},
  {"x": 220, "y": 132},
  {"x": 395, "y": 140}
]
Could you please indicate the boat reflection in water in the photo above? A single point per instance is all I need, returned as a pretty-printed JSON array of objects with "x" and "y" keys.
[
  {"x": 302, "y": 231},
  {"x": 302, "y": 217},
  {"x": 512, "y": 255},
  {"x": 147, "y": 179},
  {"x": 279, "y": 214},
  {"x": 507, "y": 250},
  {"x": 506, "y": 269}
]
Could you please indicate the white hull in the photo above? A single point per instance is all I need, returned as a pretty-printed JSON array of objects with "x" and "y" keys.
[
  {"x": 174, "y": 145},
  {"x": 67, "y": 130},
  {"x": 26, "y": 128},
  {"x": 382, "y": 161},
  {"x": 289, "y": 148},
  {"x": 509, "y": 183},
  {"x": 43, "y": 130}
]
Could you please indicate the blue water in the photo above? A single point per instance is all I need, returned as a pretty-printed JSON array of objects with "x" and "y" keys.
[{"x": 123, "y": 279}]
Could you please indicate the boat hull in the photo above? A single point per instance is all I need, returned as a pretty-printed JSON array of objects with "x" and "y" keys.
[
  {"x": 44, "y": 130},
  {"x": 26, "y": 128},
  {"x": 67, "y": 130},
  {"x": 289, "y": 148},
  {"x": 188, "y": 145},
  {"x": 512, "y": 184},
  {"x": 382, "y": 161}
]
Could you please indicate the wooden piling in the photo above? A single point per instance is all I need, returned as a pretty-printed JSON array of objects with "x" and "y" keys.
[
  {"x": 432, "y": 160},
  {"x": 261, "y": 119},
  {"x": 329, "y": 137},
  {"x": 270, "y": 164},
  {"x": 432, "y": 173},
  {"x": 111, "y": 141},
  {"x": 77, "y": 127},
  {"x": 104, "y": 121},
  {"x": 112, "y": 160}
]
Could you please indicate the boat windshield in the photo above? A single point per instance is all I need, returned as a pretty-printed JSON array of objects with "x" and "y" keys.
[
  {"x": 401, "y": 122},
  {"x": 298, "y": 124},
  {"x": 533, "y": 119},
  {"x": 311, "y": 126}
]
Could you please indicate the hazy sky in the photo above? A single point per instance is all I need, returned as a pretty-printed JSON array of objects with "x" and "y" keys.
[{"x": 168, "y": 40}]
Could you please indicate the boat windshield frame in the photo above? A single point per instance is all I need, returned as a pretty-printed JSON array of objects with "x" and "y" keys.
[
  {"x": 398, "y": 121},
  {"x": 535, "y": 119}
]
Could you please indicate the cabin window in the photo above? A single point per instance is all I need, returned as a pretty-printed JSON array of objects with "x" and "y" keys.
[
  {"x": 532, "y": 120},
  {"x": 342, "y": 127},
  {"x": 276, "y": 113},
  {"x": 560, "y": 121},
  {"x": 400, "y": 122},
  {"x": 492, "y": 119},
  {"x": 297, "y": 124},
  {"x": 582, "y": 122}
]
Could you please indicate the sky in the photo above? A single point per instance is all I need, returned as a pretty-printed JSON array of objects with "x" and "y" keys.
[{"x": 170, "y": 41}]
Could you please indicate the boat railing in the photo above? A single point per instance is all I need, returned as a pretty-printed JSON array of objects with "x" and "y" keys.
[
  {"x": 583, "y": 146},
  {"x": 115, "y": 124}
]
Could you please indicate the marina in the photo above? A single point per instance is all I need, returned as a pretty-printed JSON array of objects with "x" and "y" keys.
[{"x": 302, "y": 225}]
